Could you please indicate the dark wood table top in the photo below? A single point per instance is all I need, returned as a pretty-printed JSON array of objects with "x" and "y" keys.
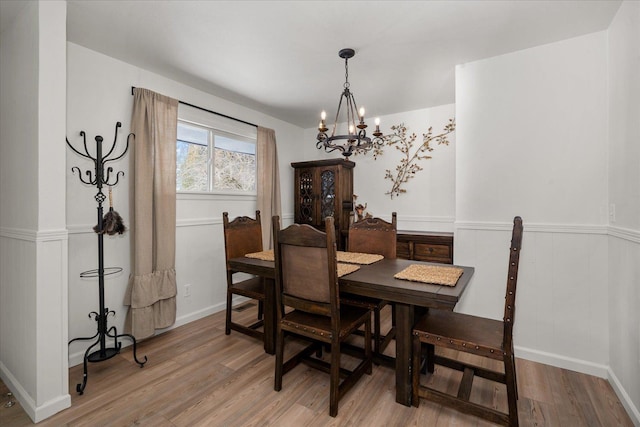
[{"x": 376, "y": 280}]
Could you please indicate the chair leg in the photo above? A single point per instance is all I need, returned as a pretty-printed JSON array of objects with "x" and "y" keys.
[
  {"x": 367, "y": 345},
  {"x": 431, "y": 355},
  {"x": 515, "y": 375},
  {"x": 376, "y": 330},
  {"x": 260, "y": 310},
  {"x": 227, "y": 323},
  {"x": 334, "y": 381},
  {"x": 277, "y": 386},
  {"x": 393, "y": 315},
  {"x": 512, "y": 389}
]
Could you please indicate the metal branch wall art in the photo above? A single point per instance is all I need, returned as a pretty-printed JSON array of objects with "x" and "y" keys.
[{"x": 408, "y": 166}]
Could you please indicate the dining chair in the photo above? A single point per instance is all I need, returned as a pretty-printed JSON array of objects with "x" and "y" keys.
[
  {"x": 243, "y": 235},
  {"x": 374, "y": 236},
  {"x": 480, "y": 336},
  {"x": 307, "y": 280}
]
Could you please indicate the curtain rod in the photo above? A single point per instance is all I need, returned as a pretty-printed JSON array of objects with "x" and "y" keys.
[{"x": 210, "y": 111}]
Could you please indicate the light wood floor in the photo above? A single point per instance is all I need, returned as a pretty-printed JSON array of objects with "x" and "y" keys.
[{"x": 198, "y": 376}]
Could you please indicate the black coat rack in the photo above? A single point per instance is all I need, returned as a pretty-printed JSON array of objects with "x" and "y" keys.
[{"x": 102, "y": 176}]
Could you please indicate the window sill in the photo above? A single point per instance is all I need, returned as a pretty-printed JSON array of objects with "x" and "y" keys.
[{"x": 224, "y": 196}]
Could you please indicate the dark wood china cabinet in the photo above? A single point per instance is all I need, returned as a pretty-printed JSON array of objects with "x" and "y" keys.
[{"x": 324, "y": 188}]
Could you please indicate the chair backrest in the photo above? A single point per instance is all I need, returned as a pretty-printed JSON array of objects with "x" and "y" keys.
[
  {"x": 512, "y": 280},
  {"x": 374, "y": 236},
  {"x": 242, "y": 236},
  {"x": 306, "y": 268}
]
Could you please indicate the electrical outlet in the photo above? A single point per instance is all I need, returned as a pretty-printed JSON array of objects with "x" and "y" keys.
[{"x": 187, "y": 291}]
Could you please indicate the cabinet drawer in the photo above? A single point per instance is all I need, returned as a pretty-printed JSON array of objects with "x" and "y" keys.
[
  {"x": 436, "y": 247},
  {"x": 403, "y": 250},
  {"x": 432, "y": 252}
]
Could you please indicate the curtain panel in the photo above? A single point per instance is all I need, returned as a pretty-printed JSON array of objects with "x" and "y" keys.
[
  {"x": 268, "y": 191},
  {"x": 151, "y": 292}
]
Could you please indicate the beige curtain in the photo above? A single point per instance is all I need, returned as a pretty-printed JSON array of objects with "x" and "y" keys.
[
  {"x": 268, "y": 182},
  {"x": 151, "y": 293}
]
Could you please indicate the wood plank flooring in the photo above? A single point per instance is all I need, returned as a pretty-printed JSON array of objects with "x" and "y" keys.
[{"x": 198, "y": 376}]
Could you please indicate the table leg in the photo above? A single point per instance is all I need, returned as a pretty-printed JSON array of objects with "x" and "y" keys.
[
  {"x": 269, "y": 316},
  {"x": 404, "y": 327}
]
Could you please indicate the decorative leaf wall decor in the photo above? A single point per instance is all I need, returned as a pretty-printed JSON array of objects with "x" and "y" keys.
[{"x": 404, "y": 143}]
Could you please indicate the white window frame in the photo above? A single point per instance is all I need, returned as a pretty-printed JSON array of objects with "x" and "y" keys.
[{"x": 224, "y": 127}]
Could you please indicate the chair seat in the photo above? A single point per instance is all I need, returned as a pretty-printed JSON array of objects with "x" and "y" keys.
[
  {"x": 319, "y": 327},
  {"x": 251, "y": 288},
  {"x": 462, "y": 332}
]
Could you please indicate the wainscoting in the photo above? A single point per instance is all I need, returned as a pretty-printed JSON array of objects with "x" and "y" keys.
[
  {"x": 33, "y": 318},
  {"x": 577, "y": 296}
]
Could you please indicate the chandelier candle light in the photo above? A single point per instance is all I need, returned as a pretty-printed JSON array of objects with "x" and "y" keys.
[{"x": 357, "y": 141}]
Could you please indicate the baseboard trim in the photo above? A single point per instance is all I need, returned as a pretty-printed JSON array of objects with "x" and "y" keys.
[
  {"x": 36, "y": 413},
  {"x": 564, "y": 362},
  {"x": 625, "y": 399},
  {"x": 585, "y": 367}
]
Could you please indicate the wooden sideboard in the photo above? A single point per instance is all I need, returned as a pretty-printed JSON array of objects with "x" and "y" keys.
[{"x": 432, "y": 247}]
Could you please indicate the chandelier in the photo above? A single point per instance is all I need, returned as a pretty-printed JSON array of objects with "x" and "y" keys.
[{"x": 355, "y": 140}]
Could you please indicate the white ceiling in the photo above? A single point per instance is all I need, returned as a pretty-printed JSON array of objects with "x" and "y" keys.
[{"x": 281, "y": 57}]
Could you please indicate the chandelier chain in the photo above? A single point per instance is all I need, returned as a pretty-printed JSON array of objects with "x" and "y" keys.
[{"x": 346, "y": 74}]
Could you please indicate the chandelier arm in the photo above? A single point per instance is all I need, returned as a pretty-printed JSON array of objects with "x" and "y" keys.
[
  {"x": 351, "y": 124},
  {"x": 335, "y": 122}
]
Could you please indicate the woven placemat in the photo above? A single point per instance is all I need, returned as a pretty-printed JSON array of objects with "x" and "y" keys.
[
  {"x": 344, "y": 269},
  {"x": 262, "y": 255},
  {"x": 346, "y": 257},
  {"x": 357, "y": 257},
  {"x": 437, "y": 275}
]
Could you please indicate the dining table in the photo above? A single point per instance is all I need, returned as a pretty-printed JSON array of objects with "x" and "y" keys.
[{"x": 375, "y": 280}]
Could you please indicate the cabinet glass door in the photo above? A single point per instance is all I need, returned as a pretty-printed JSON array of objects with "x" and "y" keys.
[
  {"x": 327, "y": 193},
  {"x": 306, "y": 196}
]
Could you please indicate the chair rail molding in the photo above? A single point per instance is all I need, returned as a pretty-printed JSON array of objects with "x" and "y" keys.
[
  {"x": 186, "y": 222},
  {"x": 30, "y": 235},
  {"x": 625, "y": 234},
  {"x": 535, "y": 227}
]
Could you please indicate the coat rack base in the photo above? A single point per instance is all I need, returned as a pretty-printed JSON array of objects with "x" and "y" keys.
[{"x": 104, "y": 352}]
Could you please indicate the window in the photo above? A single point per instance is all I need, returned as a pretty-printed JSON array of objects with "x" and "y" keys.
[{"x": 212, "y": 160}]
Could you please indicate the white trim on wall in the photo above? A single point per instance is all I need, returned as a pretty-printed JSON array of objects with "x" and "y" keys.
[
  {"x": 619, "y": 232},
  {"x": 559, "y": 361},
  {"x": 539, "y": 228},
  {"x": 624, "y": 397},
  {"x": 625, "y": 234},
  {"x": 33, "y": 235}
]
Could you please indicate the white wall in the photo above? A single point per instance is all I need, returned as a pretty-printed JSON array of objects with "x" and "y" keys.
[
  {"x": 531, "y": 141},
  {"x": 99, "y": 95},
  {"x": 429, "y": 203},
  {"x": 33, "y": 238},
  {"x": 624, "y": 193}
]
